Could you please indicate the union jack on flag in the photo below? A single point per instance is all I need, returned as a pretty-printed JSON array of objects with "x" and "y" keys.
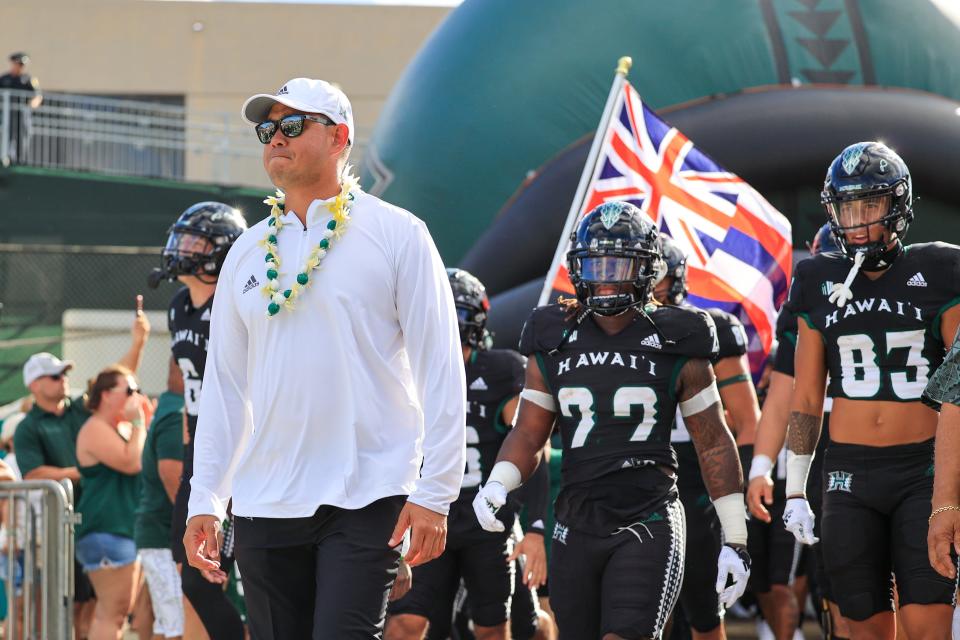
[{"x": 738, "y": 246}]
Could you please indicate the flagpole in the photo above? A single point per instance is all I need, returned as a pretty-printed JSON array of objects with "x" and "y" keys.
[{"x": 623, "y": 68}]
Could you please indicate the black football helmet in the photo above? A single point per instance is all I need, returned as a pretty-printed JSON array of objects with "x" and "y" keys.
[
  {"x": 868, "y": 183},
  {"x": 675, "y": 263},
  {"x": 824, "y": 241},
  {"x": 614, "y": 245},
  {"x": 198, "y": 242},
  {"x": 470, "y": 298}
]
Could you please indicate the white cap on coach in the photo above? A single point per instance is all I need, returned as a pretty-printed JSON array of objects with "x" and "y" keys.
[
  {"x": 44, "y": 364},
  {"x": 303, "y": 94}
]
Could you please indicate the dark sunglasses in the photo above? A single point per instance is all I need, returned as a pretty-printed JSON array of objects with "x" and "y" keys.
[
  {"x": 290, "y": 126},
  {"x": 56, "y": 376}
]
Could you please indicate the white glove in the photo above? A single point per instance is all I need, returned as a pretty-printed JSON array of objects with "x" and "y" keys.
[
  {"x": 490, "y": 498},
  {"x": 798, "y": 520},
  {"x": 734, "y": 563}
]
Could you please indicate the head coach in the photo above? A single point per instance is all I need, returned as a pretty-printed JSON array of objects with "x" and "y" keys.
[{"x": 333, "y": 405}]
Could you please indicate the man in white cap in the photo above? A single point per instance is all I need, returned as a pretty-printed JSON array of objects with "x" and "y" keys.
[{"x": 333, "y": 405}]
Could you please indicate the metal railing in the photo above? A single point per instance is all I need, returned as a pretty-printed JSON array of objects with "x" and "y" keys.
[
  {"x": 129, "y": 138},
  {"x": 119, "y": 137},
  {"x": 39, "y": 528}
]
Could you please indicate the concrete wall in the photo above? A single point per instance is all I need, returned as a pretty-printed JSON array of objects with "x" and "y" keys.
[{"x": 215, "y": 54}]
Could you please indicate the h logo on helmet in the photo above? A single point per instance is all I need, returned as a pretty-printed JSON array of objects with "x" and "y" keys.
[
  {"x": 851, "y": 158},
  {"x": 609, "y": 214}
]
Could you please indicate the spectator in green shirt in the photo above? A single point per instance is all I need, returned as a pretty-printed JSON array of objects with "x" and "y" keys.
[
  {"x": 109, "y": 462},
  {"x": 162, "y": 465}
]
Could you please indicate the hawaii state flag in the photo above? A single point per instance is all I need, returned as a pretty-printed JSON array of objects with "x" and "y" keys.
[{"x": 738, "y": 246}]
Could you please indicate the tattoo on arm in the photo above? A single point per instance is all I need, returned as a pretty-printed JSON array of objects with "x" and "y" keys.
[
  {"x": 803, "y": 432},
  {"x": 716, "y": 450}
]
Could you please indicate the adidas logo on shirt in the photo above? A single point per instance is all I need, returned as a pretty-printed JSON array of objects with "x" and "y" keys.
[
  {"x": 917, "y": 280},
  {"x": 251, "y": 284},
  {"x": 478, "y": 385},
  {"x": 653, "y": 340},
  {"x": 205, "y": 316}
]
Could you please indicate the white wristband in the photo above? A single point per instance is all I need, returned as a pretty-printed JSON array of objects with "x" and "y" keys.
[
  {"x": 733, "y": 518},
  {"x": 539, "y": 398},
  {"x": 798, "y": 466},
  {"x": 507, "y": 474},
  {"x": 760, "y": 466},
  {"x": 704, "y": 399}
]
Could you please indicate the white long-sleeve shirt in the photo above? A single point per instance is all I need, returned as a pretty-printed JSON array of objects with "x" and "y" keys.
[{"x": 338, "y": 401}]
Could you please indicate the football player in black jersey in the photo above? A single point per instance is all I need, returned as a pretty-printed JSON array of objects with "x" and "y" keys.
[
  {"x": 611, "y": 368},
  {"x": 874, "y": 317},
  {"x": 766, "y": 494},
  {"x": 197, "y": 245},
  {"x": 494, "y": 381},
  {"x": 698, "y": 597}
]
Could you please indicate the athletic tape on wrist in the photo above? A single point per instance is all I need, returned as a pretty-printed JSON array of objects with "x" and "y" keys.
[
  {"x": 705, "y": 398},
  {"x": 798, "y": 466},
  {"x": 733, "y": 518},
  {"x": 507, "y": 474},
  {"x": 539, "y": 398},
  {"x": 760, "y": 466}
]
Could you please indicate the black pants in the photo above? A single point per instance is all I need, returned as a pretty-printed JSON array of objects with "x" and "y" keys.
[
  {"x": 626, "y": 583},
  {"x": 324, "y": 576}
]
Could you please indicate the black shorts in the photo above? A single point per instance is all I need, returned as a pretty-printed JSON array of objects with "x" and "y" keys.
[
  {"x": 487, "y": 576},
  {"x": 776, "y": 556},
  {"x": 698, "y": 596},
  {"x": 625, "y": 583},
  {"x": 875, "y": 509}
]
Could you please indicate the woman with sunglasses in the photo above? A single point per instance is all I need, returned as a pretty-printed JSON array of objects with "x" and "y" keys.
[{"x": 109, "y": 448}]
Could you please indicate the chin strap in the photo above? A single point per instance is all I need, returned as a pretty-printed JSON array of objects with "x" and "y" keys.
[{"x": 841, "y": 292}]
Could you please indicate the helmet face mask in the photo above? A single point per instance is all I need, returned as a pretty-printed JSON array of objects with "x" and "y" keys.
[
  {"x": 188, "y": 254},
  {"x": 198, "y": 241},
  {"x": 614, "y": 259},
  {"x": 611, "y": 280},
  {"x": 472, "y": 304},
  {"x": 868, "y": 198}
]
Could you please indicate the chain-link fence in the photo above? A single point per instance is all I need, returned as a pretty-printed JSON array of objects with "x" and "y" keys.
[{"x": 78, "y": 302}]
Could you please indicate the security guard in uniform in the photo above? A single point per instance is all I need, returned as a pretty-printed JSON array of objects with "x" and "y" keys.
[{"x": 19, "y": 81}]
